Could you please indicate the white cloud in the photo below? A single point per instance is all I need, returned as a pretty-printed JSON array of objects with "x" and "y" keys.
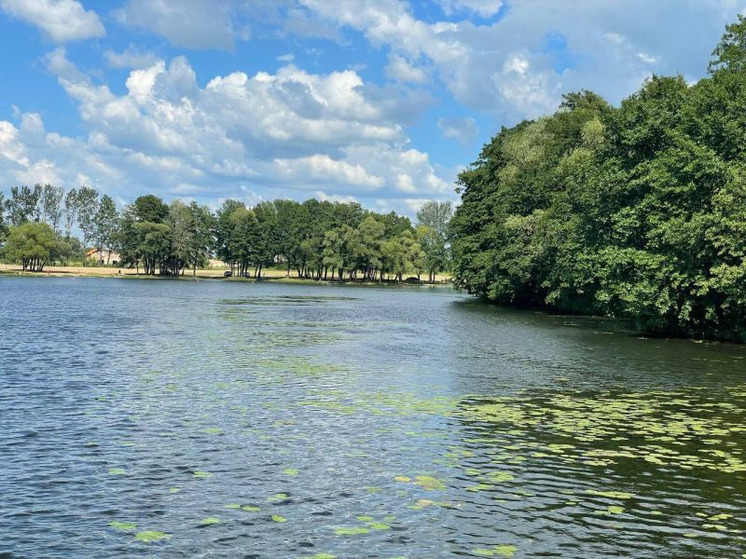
[
  {"x": 400, "y": 70},
  {"x": 484, "y": 8},
  {"x": 610, "y": 45},
  {"x": 187, "y": 23},
  {"x": 130, "y": 58},
  {"x": 291, "y": 133},
  {"x": 324, "y": 197},
  {"x": 60, "y": 20},
  {"x": 464, "y": 130}
]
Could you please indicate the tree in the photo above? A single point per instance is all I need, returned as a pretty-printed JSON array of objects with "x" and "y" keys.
[
  {"x": 332, "y": 256},
  {"x": 23, "y": 204},
  {"x": 51, "y": 205},
  {"x": 87, "y": 205},
  {"x": 3, "y": 225},
  {"x": 154, "y": 247},
  {"x": 435, "y": 217},
  {"x": 201, "y": 225},
  {"x": 369, "y": 246},
  {"x": 730, "y": 53},
  {"x": 267, "y": 243},
  {"x": 105, "y": 225},
  {"x": 179, "y": 220},
  {"x": 150, "y": 208},
  {"x": 635, "y": 212},
  {"x": 432, "y": 255},
  {"x": 32, "y": 244},
  {"x": 71, "y": 211},
  {"x": 224, "y": 231}
]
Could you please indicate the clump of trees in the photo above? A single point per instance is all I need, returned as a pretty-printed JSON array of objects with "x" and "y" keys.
[
  {"x": 318, "y": 240},
  {"x": 324, "y": 240},
  {"x": 636, "y": 212}
]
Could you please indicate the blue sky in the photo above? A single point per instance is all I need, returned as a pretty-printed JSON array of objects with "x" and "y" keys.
[{"x": 378, "y": 101}]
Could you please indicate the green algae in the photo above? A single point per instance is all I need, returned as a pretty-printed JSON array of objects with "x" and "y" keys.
[
  {"x": 351, "y": 530},
  {"x": 209, "y": 521},
  {"x": 123, "y": 526},
  {"x": 505, "y": 550},
  {"x": 277, "y": 498},
  {"x": 610, "y": 494},
  {"x": 430, "y": 483},
  {"x": 201, "y": 474},
  {"x": 151, "y": 536},
  {"x": 278, "y": 518},
  {"x": 681, "y": 428}
]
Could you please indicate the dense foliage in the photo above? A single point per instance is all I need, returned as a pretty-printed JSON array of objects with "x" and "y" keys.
[
  {"x": 636, "y": 212},
  {"x": 316, "y": 239}
]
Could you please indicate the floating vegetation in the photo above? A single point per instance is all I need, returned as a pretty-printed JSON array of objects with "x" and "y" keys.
[
  {"x": 430, "y": 483},
  {"x": 290, "y": 472},
  {"x": 210, "y": 520},
  {"x": 496, "y": 551},
  {"x": 250, "y": 508},
  {"x": 612, "y": 509},
  {"x": 150, "y": 536},
  {"x": 233, "y": 506},
  {"x": 123, "y": 526},
  {"x": 201, "y": 474},
  {"x": 277, "y": 498},
  {"x": 610, "y": 494},
  {"x": 351, "y": 530},
  {"x": 684, "y": 429},
  {"x": 117, "y": 471},
  {"x": 278, "y": 518}
]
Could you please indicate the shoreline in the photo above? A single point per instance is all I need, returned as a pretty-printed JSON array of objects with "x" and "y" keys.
[{"x": 273, "y": 275}]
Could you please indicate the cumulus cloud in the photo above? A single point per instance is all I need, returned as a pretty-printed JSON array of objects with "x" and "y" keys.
[
  {"x": 398, "y": 69},
  {"x": 289, "y": 133},
  {"x": 506, "y": 67},
  {"x": 130, "y": 58},
  {"x": 60, "y": 20},
  {"x": 188, "y": 23},
  {"x": 464, "y": 130}
]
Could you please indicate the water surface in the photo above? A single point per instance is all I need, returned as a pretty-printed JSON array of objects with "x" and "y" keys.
[{"x": 221, "y": 419}]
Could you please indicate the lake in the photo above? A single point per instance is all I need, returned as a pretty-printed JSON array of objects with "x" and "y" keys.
[{"x": 229, "y": 419}]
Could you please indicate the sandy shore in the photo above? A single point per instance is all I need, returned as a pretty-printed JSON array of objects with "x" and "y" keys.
[{"x": 102, "y": 272}]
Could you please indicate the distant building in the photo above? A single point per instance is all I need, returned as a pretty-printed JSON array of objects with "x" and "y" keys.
[{"x": 103, "y": 256}]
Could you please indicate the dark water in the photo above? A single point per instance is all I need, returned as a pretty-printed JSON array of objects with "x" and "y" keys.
[{"x": 215, "y": 419}]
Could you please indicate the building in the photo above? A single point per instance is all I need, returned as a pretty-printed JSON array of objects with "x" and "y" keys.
[{"x": 100, "y": 256}]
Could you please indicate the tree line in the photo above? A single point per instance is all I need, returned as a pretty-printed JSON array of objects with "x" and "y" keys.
[
  {"x": 316, "y": 239},
  {"x": 636, "y": 211}
]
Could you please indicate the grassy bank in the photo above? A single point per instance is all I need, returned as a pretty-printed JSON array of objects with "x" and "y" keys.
[{"x": 276, "y": 275}]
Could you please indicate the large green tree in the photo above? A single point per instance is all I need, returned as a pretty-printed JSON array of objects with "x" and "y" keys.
[
  {"x": 31, "y": 244},
  {"x": 634, "y": 212}
]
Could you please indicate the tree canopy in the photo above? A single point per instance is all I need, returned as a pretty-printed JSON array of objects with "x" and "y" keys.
[
  {"x": 317, "y": 239},
  {"x": 636, "y": 212}
]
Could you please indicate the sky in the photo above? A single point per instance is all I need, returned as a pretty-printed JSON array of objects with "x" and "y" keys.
[{"x": 382, "y": 102}]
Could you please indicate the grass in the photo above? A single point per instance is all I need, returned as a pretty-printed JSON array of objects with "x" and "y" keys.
[{"x": 272, "y": 274}]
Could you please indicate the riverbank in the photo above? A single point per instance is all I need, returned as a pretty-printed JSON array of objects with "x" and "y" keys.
[{"x": 276, "y": 275}]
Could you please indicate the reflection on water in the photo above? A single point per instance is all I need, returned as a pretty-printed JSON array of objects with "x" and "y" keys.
[{"x": 183, "y": 419}]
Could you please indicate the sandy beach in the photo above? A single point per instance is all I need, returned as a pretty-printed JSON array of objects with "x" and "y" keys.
[{"x": 105, "y": 272}]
